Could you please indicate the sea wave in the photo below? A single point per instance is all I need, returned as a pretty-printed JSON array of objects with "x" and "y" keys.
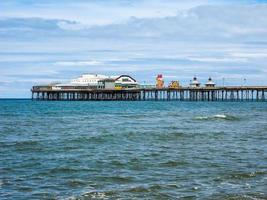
[
  {"x": 247, "y": 175},
  {"x": 217, "y": 117},
  {"x": 96, "y": 195},
  {"x": 250, "y": 196}
]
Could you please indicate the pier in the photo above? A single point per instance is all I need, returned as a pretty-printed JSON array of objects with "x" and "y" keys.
[{"x": 233, "y": 93}]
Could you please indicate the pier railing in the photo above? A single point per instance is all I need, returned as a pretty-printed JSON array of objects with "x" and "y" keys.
[{"x": 231, "y": 93}]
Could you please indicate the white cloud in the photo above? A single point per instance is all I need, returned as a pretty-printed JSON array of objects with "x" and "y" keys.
[
  {"x": 252, "y": 55},
  {"x": 78, "y": 63},
  {"x": 97, "y": 12},
  {"x": 71, "y": 26},
  {"x": 213, "y": 59}
]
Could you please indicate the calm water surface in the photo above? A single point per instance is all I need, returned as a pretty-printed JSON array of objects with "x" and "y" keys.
[{"x": 133, "y": 150}]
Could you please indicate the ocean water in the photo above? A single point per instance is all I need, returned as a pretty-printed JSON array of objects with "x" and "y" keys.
[{"x": 133, "y": 150}]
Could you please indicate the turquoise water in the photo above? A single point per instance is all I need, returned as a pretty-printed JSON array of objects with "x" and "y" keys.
[{"x": 133, "y": 150}]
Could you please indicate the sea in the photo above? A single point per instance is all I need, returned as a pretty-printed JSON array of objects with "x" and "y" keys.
[{"x": 133, "y": 150}]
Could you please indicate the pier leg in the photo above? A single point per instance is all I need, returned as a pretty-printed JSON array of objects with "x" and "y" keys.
[
  {"x": 168, "y": 96},
  {"x": 156, "y": 95}
]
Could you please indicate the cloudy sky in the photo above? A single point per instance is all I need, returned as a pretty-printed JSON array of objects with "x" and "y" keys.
[{"x": 43, "y": 41}]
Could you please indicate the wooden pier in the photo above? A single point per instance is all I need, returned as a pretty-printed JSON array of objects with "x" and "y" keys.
[{"x": 242, "y": 93}]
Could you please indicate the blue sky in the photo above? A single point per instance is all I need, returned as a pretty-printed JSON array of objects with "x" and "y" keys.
[{"x": 45, "y": 40}]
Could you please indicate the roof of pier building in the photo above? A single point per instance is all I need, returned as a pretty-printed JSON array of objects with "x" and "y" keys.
[
  {"x": 111, "y": 80},
  {"x": 88, "y": 79},
  {"x": 125, "y": 79}
]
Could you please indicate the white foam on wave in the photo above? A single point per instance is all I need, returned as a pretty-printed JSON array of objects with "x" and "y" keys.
[
  {"x": 220, "y": 116},
  {"x": 200, "y": 118},
  {"x": 95, "y": 195},
  {"x": 213, "y": 117}
]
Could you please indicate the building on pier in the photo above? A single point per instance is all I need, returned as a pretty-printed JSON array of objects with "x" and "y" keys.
[
  {"x": 125, "y": 81},
  {"x": 88, "y": 79},
  {"x": 96, "y": 81},
  {"x": 174, "y": 85},
  {"x": 107, "y": 83},
  {"x": 195, "y": 83},
  {"x": 210, "y": 83}
]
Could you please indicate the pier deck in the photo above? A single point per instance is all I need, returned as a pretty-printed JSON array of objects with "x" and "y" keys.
[{"x": 234, "y": 93}]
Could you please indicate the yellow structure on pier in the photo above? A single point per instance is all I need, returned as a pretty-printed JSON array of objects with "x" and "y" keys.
[{"x": 174, "y": 85}]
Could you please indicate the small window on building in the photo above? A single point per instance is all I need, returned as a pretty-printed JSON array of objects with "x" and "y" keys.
[{"x": 126, "y": 80}]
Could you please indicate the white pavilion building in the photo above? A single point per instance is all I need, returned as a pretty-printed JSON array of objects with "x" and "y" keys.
[
  {"x": 210, "y": 83},
  {"x": 195, "y": 83}
]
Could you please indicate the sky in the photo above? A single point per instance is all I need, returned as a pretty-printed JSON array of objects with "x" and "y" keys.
[{"x": 44, "y": 41}]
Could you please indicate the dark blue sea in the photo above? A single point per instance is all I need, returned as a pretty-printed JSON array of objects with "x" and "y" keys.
[{"x": 133, "y": 150}]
